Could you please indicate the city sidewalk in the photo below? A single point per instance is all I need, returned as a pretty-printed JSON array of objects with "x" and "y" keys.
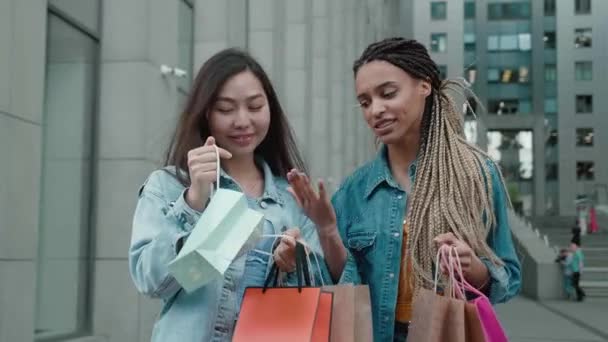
[{"x": 526, "y": 320}]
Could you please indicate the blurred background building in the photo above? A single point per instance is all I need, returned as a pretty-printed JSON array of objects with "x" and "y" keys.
[{"x": 89, "y": 98}]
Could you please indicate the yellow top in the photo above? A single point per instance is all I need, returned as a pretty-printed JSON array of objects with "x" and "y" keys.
[{"x": 403, "y": 309}]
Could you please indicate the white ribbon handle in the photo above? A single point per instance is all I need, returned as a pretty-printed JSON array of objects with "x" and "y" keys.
[{"x": 212, "y": 189}]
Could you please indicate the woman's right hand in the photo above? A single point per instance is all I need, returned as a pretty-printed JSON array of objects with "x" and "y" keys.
[
  {"x": 202, "y": 166},
  {"x": 317, "y": 207}
]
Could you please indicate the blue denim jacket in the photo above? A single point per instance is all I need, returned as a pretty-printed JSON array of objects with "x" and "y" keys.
[
  {"x": 163, "y": 217},
  {"x": 370, "y": 208}
]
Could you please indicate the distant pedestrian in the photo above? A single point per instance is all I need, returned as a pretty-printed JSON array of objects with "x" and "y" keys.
[
  {"x": 565, "y": 259},
  {"x": 576, "y": 266}
]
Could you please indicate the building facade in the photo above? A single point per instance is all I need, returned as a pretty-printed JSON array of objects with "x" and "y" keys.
[
  {"x": 89, "y": 97},
  {"x": 540, "y": 86}
]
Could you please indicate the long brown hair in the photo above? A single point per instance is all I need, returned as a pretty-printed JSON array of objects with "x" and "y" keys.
[
  {"x": 452, "y": 191},
  {"x": 278, "y": 148}
]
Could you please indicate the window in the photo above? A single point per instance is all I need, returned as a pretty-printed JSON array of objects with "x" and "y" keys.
[
  {"x": 510, "y": 42},
  {"x": 472, "y": 75},
  {"x": 550, "y": 105},
  {"x": 68, "y": 147},
  {"x": 493, "y": 75},
  {"x": 439, "y": 42},
  {"x": 582, "y": 38},
  {"x": 509, "y": 75},
  {"x": 443, "y": 71},
  {"x": 469, "y": 10},
  {"x": 524, "y": 74},
  {"x": 185, "y": 45},
  {"x": 513, "y": 151},
  {"x": 85, "y": 12},
  {"x": 509, "y": 11},
  {"x": 584, "y": 104},
  {"x": 552, "y": 138},
  {"x": 585, "y": 170},
  {"x": 550, "y": 73},
  {"x": 525, "y": 41},
  {"x": 549, "y": 39},
  {"x": 551, "y": 171},
  {"x": 439, "y": 10},
  {"x": 549, "y": 8},
  {"x": 582, "y": 6},
  {"x": 508, "y": 106},
  {"x": 583, "y": 71},
  {"x": 470, "y": 42},
  {"x": 584, "y": 137}
]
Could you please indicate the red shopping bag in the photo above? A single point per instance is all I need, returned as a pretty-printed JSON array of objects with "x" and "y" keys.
[{"x": 279, "y": 314}]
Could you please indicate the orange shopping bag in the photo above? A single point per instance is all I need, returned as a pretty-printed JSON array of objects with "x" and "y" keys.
[{"x": 279, "y": 314}]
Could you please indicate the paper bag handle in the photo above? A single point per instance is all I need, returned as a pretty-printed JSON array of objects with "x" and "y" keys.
[
  {"x": 302, "y": 271},
  {"x": 212, "y": 189}
]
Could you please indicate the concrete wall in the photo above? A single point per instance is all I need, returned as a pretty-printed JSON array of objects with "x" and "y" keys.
[
  {"x": 22, "y": 60},
  {"x": 307, "y": 47},
  {"x": 541, "y": 275}
]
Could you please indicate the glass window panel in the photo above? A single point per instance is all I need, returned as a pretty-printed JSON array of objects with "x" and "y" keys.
[
  {"x": 585, "y": 170},
  {"x": 549, "y": 39},
  {"x": 584, "y": 137},
  {"x": 508, "y": 42},
  {"x": 524, "y": 74},
  {"x": 550, "y": 105},
  {"x": 85, "y": 12},
  {"x": 470, "y": 41},
  {"x": 469, "y": 10},
  {"x": 550, "y": 73},
  {"x": 582, "y": 38},
  {"x": 584, "y": 104},
  {"x": 492, "y": 43},
  {"x": 438, "y": 10},
  {"x": 493, "y": 75},
  {"x": 583, "y": 71},
  {"x": 185, "y": 44},
  {"x": 550, "y": 8},
  {"x": 525, "y": 41},
  {"x": 63, "y": 267},
  {"x": 438, "y": 42},
  {"x": 582, "y": 6},
  {"x": 513, "y": 151},
  {"x": 525, "y": 106}
]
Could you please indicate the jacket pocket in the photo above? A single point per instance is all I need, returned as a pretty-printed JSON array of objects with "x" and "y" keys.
[{"x": 361, "y": 243}]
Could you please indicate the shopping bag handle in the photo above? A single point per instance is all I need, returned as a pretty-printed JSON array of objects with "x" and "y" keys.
[
  {"x": 213, "y": 189},
  {"x": 302, "y": 271}
]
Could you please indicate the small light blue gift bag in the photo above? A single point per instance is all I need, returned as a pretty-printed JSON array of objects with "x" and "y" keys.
[{"x": 226, "y": 229}]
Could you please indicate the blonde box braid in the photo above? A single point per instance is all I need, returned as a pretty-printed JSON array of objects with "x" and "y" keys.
[{"x": 452, "y": 191}]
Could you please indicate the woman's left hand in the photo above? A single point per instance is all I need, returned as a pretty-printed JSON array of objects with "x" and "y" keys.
[{"x": 473, "y": 269}]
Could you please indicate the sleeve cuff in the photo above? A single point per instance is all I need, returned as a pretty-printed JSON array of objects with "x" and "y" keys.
[
  {"x": 184, "y": 213},
  {"x": 499, "y": 281}
]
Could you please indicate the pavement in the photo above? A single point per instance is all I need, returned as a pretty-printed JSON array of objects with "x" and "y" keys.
[{"x": 526, "y": 320}]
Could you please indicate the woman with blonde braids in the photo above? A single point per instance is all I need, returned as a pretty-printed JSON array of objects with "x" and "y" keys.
[{"x": 426, "y": 187}]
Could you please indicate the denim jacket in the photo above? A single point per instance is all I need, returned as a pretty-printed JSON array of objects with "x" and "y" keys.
[
  {"x": 370, "y": 208},
  {"x": 162, "y": 218}
]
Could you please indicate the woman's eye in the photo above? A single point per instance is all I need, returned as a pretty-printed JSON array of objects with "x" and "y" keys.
[
  {"x": 224, "y": 109},
  {"x": 256, "y": 108},
  {"x": 389, "y": 94}
]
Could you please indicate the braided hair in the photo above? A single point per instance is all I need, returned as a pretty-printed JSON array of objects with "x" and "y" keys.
[{"x": 452, "y": 191}]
